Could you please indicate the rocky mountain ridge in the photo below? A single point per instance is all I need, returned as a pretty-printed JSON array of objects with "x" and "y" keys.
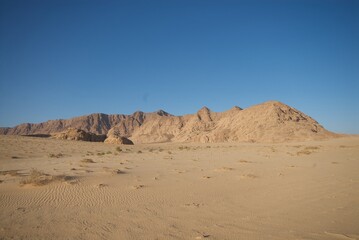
[{"x": 271, "y": 121}]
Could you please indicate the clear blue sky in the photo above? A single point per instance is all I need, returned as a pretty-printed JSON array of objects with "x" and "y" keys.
[{"x": 65, "y": 58}]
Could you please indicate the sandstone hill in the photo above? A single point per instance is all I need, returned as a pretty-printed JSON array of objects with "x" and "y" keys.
[{"x": 267, "y": 122}]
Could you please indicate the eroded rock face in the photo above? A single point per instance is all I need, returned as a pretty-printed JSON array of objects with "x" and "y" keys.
[
  {"x": 114, "y": 137},
  {"x": 79, "y": 135}
]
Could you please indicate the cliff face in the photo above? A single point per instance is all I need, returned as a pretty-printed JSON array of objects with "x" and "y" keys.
[{"x": 267, "y": 122}]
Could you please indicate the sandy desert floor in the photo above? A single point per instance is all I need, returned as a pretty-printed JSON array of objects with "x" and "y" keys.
[{"x": 56, "y": 189}]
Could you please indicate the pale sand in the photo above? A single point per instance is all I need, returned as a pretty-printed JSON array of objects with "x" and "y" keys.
[{"x": 180, "y": 191}]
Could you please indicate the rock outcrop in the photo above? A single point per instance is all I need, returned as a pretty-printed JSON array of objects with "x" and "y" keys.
[
  {"x": 114, "y": 137},
  {"x": 79, "y": 135}
]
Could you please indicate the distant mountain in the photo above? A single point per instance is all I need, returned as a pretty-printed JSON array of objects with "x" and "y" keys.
[
  {"x": 97, "y": 123},
  {"x": 267, "y": 122}
]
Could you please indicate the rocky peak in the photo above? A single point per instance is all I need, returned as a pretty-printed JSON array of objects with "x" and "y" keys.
[
  {"x": 162, "y": 113},
  {"x": 204, "y": 114}
]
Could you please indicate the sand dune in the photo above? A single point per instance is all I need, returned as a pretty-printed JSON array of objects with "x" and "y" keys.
[{"x": 90, "y": 190}]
